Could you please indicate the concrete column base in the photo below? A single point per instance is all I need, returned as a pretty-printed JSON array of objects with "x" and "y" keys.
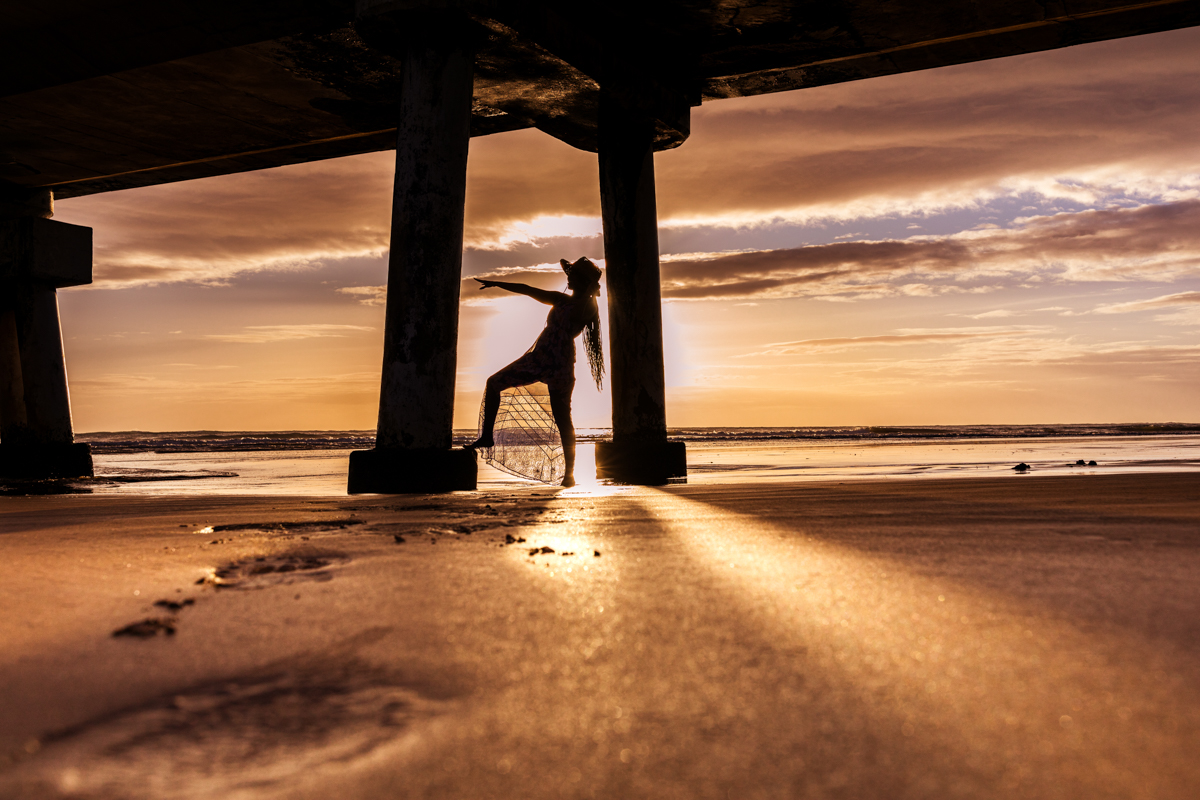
[
  {"x": 645, "y": 463},
  {"x": 415, "y": 471},
  {"x": 39, "y": 461}
]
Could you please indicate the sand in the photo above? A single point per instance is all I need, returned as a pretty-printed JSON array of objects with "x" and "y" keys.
[{"x": 993, "y": 637}]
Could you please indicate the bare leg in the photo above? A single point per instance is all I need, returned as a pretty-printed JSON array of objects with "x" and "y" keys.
[
  {"x": 491, "y": 406},
  {"x": 560, "y": 405}
]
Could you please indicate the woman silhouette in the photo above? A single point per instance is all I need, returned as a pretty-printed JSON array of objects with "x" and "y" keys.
[{"x": 551, "y": 360}]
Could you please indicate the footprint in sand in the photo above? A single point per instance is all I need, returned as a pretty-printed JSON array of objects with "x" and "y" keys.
[
  {"x": 269, "y": 730},
  {"x": 153, "y": 626},
  {"x": 260, "y": 572}
]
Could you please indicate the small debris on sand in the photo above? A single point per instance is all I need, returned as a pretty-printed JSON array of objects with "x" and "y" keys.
[
  {"x": 147, "y": 628},
  {"x": 540, "y": 550},
  {"x": 173, "y": 605},
  {"x": 1092, "y": 464},
  {"x": 1081, "y": 463},
  {"x": 596, "y": 553},
  {"x": 1021, "y": 467},
  {"x": 510, "y": 539},
  {"x": 399, "y": 539}
]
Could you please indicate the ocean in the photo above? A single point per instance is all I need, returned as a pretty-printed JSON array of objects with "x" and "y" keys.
[{"x": 316, "y": 462}]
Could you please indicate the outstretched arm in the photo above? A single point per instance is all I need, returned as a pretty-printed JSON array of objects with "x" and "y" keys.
[{"x": 541, "y": 295}]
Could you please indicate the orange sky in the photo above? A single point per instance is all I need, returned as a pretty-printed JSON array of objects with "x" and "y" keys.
[{"x": 1015, "y": 241}]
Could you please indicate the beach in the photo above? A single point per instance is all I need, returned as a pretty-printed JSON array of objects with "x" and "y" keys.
[
  {"x": 880, "y": 320},
  {"x": 1011, "y": 635}
]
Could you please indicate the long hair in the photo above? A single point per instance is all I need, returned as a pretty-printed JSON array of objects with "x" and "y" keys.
[
  {"x": 594, "y": 344},
  {"x": 584, "y": 276}
]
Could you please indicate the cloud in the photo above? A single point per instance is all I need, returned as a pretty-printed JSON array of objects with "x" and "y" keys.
[
  {"x": 1185, "y": 299},
  {"x": 997, "y": 355},
  {"x": 892, "y": 340},
  {"x": 225, "y": 390},
  {"x": 998, "y": 313},
  {"x": 208, "y": 231},
  {"x": 1022, "y": 358},
  {"x": 188, "y": 365},
  {"x": 265, "y": 334},
  {"x": 1080, "y": 123},
  {"x": 367, "y": 295},
  {"x": 1152, "y": 242}
]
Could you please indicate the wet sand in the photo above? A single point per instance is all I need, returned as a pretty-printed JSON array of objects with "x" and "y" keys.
[{"x": 1033, "y": 636}]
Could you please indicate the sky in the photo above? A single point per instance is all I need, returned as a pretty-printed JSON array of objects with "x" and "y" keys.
[{"x": 1008, "y": 242}]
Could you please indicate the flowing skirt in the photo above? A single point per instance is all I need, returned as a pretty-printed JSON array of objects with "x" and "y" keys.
[{"x": 527, "y": 443}]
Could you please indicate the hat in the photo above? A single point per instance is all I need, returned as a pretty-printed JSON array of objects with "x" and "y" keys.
[{"x": 583, "y": 268}]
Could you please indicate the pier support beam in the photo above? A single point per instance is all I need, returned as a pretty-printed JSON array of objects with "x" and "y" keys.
[
  {"x": 37, "y": 256},
  {"x": 639, "y": 451},
  {"x": 416, "y": 401}
]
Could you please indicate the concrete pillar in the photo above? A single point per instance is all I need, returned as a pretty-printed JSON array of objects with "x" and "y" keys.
[
  {"x": 36, "y": 256},
  {"x": 416, "y": 401},
  {"x": 639, "y": 451},
  {"x": 13, "y": 420},
  {"x": 43, "y": 366}
]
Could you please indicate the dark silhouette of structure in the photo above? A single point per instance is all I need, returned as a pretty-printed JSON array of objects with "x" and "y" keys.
[{"x": 100, "y": 95}]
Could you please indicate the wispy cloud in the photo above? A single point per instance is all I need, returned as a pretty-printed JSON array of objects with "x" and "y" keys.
[
  {"x": 1185, "y": 299},
  {"x": 997, "y": 314},
  {"x": 912, "y": 337},
  {"x": 265, "y": 334},
  {"x": 190, "y": 366},
  {"x": 367, "y": 295}
]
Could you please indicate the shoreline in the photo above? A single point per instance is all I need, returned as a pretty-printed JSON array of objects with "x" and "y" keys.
[
  {"x": 324, "y": 471},
  {"x": 725, "y": 461}
]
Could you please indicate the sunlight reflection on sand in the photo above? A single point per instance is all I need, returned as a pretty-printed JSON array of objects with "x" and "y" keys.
[{"x": 970, "y": 672}]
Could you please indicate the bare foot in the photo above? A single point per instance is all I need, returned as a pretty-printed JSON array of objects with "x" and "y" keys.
[
  {"x": 568, "y": 481},
  {"x": 481, "y": 443}
]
